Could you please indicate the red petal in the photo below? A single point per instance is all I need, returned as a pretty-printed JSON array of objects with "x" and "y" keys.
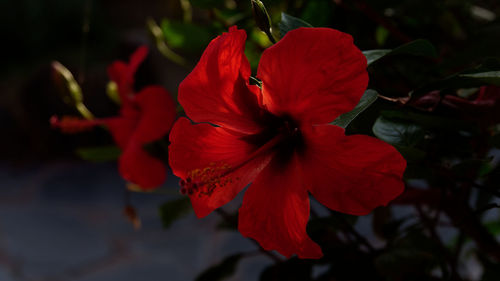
[
  {"x": 122, "y": 129},
  {"x": 70, "y": 125},
  {"x": 137, "y": 166},
  {"x": 202, "y": 147},
  {"x": 313, "y": 74},
  {"x": 275, "y": 212},
  {"x": 216, "y": 91},
  {"x": 157, "y": 114},
  {"x": 351, "y": 174},
  {"x": 123, "y": 74}
]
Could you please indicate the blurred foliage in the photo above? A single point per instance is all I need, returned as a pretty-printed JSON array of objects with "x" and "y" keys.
[
  {"x": 172, "y": 210},
  {"x": 222, "y": 270}
]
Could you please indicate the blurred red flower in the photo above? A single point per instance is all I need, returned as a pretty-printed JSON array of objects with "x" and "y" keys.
[
  {"x": 482, "y": 106},
  {"x": 487, "y": 99},
  {"x": 144, "y": 117},
  {"x": 278, "y": 137}
]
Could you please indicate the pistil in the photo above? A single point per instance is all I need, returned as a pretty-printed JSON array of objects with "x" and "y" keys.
[{"x": 216, "y": 175}]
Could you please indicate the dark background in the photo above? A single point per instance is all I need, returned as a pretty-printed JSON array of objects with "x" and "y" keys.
[{"x": 61, "y": 217}]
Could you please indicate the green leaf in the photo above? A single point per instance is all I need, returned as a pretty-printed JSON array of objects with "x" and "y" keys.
[
  {"x": 472, "y": 168},
  {"x": 490, "y": 77},
  {"x": 174, "y": 209},
  {"x": 368, "y": 98},
  {"x": 493, "y": 227},
  {"x": 290, "y": 23},
  {"x": 483, "y": 74},
  {"x": 419, "y": 47},
  {"x": 402, "y": 135},
  {"x": 222, "y": 270},
  {"x": 381, "y": 34},
  {"x": 413, "y": 254},
  {"x": 186, "y": 36},
  {"x": 99, "y": 153},
  {"x": 399, "y": 133},
  {"x": 430, "y": 121},
  {"x": 374, "y": 55},
  {"x": 293, "y": 269},
  {"x": 318, "y": 12}
]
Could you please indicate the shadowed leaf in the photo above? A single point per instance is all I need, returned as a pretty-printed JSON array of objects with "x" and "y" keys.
[
  {"x": 99, "y": 154},
  {"x": 419, "y": 47},
  {"x": 398, "y": 133},
  {"x": 290, "y": 23},
  {"x": 173, "y": 210},
  {"x": 490, "y": 77},
  {"x": 368, "y": 98},
  {"x": 222, "y": 270}
]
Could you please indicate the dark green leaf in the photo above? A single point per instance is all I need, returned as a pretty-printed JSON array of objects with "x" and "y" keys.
[
  {"x": 99, "y": 154},
  {"x": 481, "y": 75},
  {"x": 229, "y": 222},
  {"x": 491, "y": 271},
  {"x": 186, "y": 36},
  {"x": 374, "y": 55},
  {"x": 318, "y": 12},
  {"x": 290, "y": 23},
  {"x": 430, "y": 121},
  {"x": 221, "y": 271},
  {"x": 472, "y": 168},
  {"x": 398, "y": 133},
  {"x": 293, "y": 269},
  {"x": 493, "y": 227},
  {"x": 490, "y": 77},
  {"x": 381, "y": 34},
  {"x": 495, "y": 140},
  {"x": 419, "y": 47},
  {"x": 414, "y": 254},
  {"x": 410, "y": 153},
  {"x": 173, "y": 210},
  {"x": 368, "y": 98}
]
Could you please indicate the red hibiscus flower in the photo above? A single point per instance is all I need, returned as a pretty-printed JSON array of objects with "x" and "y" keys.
[
  {"x": 144, "y": 117},
  {"x": 278, "y": 137}
]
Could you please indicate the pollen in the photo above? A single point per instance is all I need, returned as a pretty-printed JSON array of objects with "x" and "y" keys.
[{"x": 205, "y": 181}]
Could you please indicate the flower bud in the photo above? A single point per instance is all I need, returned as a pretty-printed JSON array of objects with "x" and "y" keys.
[{"x": 262, "y": 18}]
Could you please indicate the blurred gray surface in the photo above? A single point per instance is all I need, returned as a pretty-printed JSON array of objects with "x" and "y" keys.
[{"x": 64, "y": 222}]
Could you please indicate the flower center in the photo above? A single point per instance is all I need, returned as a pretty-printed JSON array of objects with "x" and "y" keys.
[
  {"x": 293, "y": 140},
  {"x": 205, "y": 181},
  {"x": 281, "y": 136}
]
